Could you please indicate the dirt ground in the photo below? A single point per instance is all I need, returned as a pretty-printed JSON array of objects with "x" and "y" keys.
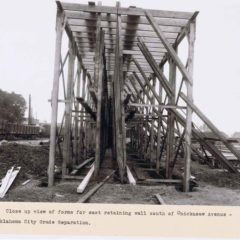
[{"x": 216, "y": 187}]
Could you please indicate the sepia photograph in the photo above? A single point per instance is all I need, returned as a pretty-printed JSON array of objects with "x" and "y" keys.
[{"x": 129, "y": 102}]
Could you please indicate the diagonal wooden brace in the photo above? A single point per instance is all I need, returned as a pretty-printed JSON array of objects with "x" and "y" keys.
[{"x": 169, "y": 48}]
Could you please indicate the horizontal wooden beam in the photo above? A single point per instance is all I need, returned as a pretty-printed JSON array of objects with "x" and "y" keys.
[
  {"x": 124, "y": 11},
  {"x": 92, "y": 37},
  {"x": 155, "y": 105},
  {"x": 126, "y": 19},
  {"x": 84, "y": 29},
  {"x": 77, "y": 168},
  {"x": 127, "y": 26}
]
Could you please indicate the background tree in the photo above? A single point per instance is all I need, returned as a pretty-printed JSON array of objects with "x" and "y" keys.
[{"x": 12, "y": 107}]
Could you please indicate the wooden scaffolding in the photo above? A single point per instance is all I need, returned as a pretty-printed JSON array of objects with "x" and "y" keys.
[{"x": 128, "y": 90}]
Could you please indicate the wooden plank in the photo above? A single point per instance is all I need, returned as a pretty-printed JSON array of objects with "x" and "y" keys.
[
  {"x": 160, "y": 199},
  {"x": 127, "y": 26},
  {"x": 161, "y": 106},
  {"x": 8, "y": 180},
  {"x": 77, "y": 168},
  {"x": 54, "y": 98},
  {"x": 95, "y": 189},
  {"x": 69, "y": 177},
  {"x": 110, "y": 55},
  {"x": 124, "y": 11},
  {"x": 126, "y": 19},
  {"x": 90, "y": 52},
  {"x": 5, "y": 182},
  {"x": 91, "y": 37},
  {"x": 26, "y": 182},
  {"x": 170, "y": 49},
  {"x": 86, "y": 180},
  {"x": 152, "y": 34},
  {"x": 150, "y": 180},
  {"x": 125, "y": 68},
  {"x": 138, "y": 52},
  {"x": 131, "y": 179},
  {"x": 128, "y": 45}
]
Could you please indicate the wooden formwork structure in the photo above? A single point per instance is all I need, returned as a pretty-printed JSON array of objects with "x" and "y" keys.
[{"x": 128, "y": 87}]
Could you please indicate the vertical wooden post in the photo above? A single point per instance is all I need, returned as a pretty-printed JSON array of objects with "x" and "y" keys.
[
  {"x": 76, "y": 119},
  {"x": 170, "y": 120},
  {"x": 54, "y": 99},
  {"x": 99, "y": 122},
  {"x": 98, "y": 81},
  {"x": 82, "y": 131},
  {"x": 159, "y": 130},
  {"x": 152, "y": 141},
  {"x": 67, "y": 151},
  {"x": 119, "y": 118},
  {"x": 188, "y": 128}
]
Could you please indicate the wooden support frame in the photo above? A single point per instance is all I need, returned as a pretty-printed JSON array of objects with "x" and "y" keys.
[{"x": 122, "y": 60}]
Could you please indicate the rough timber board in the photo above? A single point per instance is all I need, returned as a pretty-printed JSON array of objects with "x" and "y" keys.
[
  {"x": 125, "y": 11},
  {"x": 126, "y": 19},
  {"x": 127, "y": 26}
]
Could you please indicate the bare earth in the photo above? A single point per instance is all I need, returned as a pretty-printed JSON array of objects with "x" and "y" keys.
[{"x": 215, "y": 187}]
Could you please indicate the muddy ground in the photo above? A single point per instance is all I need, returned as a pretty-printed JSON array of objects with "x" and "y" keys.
[{"x": 216, "y": 187}]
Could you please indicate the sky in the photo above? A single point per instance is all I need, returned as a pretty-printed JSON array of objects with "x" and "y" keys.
[{"x": 27, "y": 45}]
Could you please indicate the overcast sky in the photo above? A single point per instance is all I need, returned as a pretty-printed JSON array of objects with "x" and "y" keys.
[{"x": 27, "y": 53}]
